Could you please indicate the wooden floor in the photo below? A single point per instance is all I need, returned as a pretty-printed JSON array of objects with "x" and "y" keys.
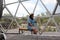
[{"x": 44, "y": 36}]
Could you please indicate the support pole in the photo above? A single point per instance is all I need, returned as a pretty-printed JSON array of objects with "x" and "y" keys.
[
  {"x": 1, "y": 8},
  {"x": 55, "y": 9}
]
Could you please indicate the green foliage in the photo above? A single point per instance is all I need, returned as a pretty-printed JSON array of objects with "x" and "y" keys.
[
  {"x": 42, "y": 20},
  {"x": 51, "y": 29}
]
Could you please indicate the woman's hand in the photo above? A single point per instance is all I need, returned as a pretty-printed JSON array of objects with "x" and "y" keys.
[{"x": 30, "y": 24}]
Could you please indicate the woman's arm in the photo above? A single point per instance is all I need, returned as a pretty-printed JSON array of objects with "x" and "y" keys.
[{"x": 30, "y": 24}]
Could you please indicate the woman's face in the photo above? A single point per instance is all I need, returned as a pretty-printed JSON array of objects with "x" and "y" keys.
[{"x": 32, "y": 16}]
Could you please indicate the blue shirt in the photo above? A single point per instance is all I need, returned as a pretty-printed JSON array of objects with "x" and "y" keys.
[{"x": 31, "y": 22}]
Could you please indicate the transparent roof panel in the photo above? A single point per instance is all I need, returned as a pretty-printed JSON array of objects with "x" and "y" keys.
[
  {"x": 10, "y": 1},
  {"x": 12, "y": 8},
  {"x": 58, "y": 10},
  {"x": 39, "y": 9},
  {"x": 29, "y": 5},
  {"x": 21, "y": 12},
  {"x": 5, "y": 13},
  {"x": 50, "y": 4}
]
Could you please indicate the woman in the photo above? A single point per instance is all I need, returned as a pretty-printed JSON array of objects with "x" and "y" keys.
[{"x": 31, "y": 23}]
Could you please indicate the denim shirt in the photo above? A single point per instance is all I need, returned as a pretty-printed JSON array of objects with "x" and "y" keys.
[{"x": 31, "y": 21}]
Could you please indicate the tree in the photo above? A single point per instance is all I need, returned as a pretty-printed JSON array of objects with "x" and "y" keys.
[{"x": 43, "y": 14}]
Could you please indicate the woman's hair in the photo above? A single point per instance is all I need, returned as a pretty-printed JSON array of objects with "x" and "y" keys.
[{"x": 31, "y": 16}]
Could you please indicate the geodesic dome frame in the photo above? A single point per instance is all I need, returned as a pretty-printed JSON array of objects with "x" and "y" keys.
[{"x": 51, "y": 17}]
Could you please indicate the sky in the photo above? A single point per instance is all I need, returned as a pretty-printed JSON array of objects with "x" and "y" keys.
[{"x": 50, "y": 4}]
